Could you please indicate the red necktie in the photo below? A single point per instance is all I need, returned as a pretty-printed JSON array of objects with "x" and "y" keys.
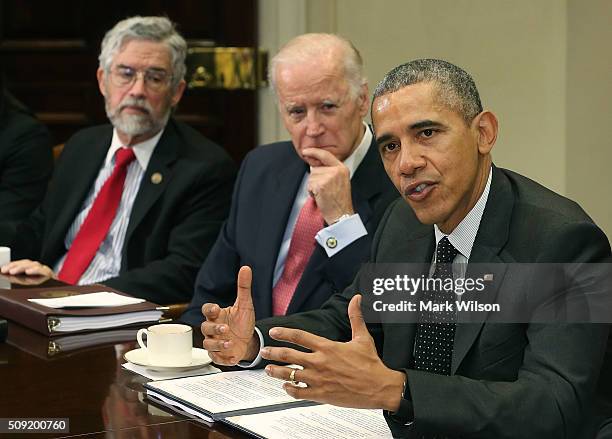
[
  {"x": 98, "y": 221},
  {"x": 302, "y": 245}
]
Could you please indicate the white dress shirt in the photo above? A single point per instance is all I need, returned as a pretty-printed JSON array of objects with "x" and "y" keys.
[
  {"x": 464, "y": 235},
  {"x": 107, "y": 260}
]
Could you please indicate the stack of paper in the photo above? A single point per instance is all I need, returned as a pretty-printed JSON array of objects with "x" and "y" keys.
[{"x": 255, "y": 403}]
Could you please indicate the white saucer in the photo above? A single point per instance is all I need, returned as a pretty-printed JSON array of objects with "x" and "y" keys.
[{"x": 199, "y": 358}]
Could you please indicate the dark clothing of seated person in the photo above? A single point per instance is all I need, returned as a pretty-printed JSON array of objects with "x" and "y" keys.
[{"x": 26, "y": 160}]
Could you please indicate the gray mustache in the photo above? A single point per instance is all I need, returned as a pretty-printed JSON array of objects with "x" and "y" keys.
[{"x": 140, "y": 103}]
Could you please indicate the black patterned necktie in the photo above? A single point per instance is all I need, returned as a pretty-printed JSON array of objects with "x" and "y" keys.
[{"x": 433, "y": 346}]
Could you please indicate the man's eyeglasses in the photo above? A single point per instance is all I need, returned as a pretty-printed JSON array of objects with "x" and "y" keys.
[{"x": 154, "y": 79}]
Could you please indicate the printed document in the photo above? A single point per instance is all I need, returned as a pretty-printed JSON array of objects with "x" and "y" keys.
[
  {"x": 225, "y": 392},
  {"x": 315, "y": 422}
]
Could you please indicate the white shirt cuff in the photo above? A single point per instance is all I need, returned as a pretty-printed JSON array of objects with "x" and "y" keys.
[
  {"x": 257, "y": 359},
  {"x": 335, "y": 237}
]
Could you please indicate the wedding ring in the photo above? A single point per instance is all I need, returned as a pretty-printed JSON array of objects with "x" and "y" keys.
[{"x": 292, "y": 378}]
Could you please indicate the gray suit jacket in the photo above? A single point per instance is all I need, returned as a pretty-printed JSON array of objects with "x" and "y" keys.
[{"x": 508, "y": 380}]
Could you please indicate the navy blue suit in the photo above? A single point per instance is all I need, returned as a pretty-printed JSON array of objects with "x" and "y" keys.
[{"x": 264, "y": 194}]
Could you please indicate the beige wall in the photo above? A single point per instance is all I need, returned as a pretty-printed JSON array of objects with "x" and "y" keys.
[
  {"x": 541, "y": 66},
  {"x": 279, "y": 21},
  {"x": 512, "y": 50},
  {"x": 589, "y": 104}
]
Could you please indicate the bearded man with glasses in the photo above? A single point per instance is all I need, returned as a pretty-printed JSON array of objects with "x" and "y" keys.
[{"x": 136, "y": 205}]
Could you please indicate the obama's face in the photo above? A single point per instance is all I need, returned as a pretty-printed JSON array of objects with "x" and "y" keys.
[{"x": 437, "y": 161}]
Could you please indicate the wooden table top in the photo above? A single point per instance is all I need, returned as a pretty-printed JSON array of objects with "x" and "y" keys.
[{"x": 88, "y": 386}]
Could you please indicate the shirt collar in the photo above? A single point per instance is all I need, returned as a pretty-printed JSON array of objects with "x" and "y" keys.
[
  {"x": 353, "y": 161},
  {"x": 464, "y": 235},
  {"x": 143, "y": 150}
]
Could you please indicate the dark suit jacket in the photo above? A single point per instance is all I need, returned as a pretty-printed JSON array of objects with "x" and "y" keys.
[
  {"x": 508, "y": 380},
  {"x": 172, "y": 225},
  {"x": 605, "y": 430},
  {"x": 26, "y": 164},
  {"x": 267, "y": 184}
]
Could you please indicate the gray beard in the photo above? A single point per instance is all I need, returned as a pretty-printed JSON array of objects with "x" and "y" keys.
[{"x": 136, "y": 124}]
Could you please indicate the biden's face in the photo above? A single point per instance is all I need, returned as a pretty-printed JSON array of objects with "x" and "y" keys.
[{"x": 319, "y": 110}]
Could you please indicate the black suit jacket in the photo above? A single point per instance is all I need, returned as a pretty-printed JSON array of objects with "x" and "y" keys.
[
  {"x": 26, "y": 164},
  {"x": 265, "y": 190},
  {"x": 508, "y": 380},
  {"x": 172, "y": 225}
]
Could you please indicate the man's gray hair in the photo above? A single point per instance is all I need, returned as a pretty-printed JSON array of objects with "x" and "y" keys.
[
  {"x": 157, "y": 29},
  {"x": 324, "y": 48},
  {"x": 455, "y": 87}
]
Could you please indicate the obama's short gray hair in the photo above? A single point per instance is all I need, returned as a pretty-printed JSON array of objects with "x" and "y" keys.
[{"x": 455, "y": 87}]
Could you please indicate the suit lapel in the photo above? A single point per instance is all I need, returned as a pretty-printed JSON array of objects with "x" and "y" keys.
[
  {"x": 491, "y": 238},
  {"x": 422, "y": 248},
  {"x": 151, "y": 187},
  {"x": 84, "y": 173},
  {"x": 274, "y": 211}
]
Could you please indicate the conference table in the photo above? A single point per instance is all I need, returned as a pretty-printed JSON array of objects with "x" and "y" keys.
[
  {"x": 89, "y": 387},
  {"x": 92, "y": 390}
]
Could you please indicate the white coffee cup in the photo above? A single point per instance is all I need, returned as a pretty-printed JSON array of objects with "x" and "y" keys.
[
  {"x": 167, "y": 344},
  {"x": 5, "y": 255}
]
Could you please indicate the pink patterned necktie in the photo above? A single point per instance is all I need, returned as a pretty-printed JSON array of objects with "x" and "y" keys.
[
  {"x": 98, "y": 220},
  {"x": 309, "y": 222}
]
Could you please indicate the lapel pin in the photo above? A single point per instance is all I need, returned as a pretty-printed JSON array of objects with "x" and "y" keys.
[
  {"x": 488, "y": 277},
  {"x": 156, "y": 178}
]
